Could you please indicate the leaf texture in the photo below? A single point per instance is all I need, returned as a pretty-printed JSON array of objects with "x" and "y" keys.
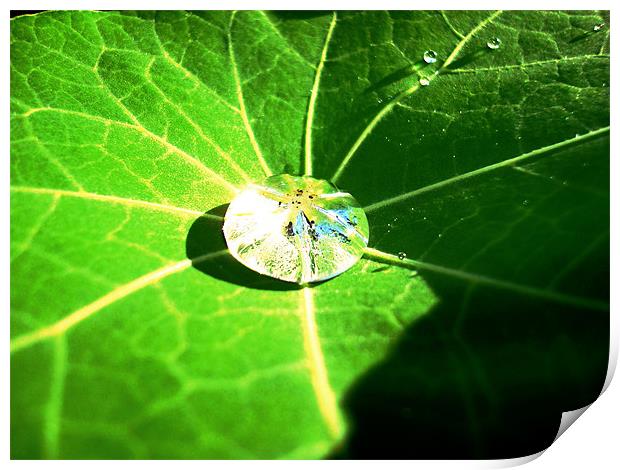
[{"x": 134, "y": 334}]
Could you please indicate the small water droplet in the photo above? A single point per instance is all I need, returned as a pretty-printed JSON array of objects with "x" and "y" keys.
[
  {"x": 439, "y": 235},
  {"x": 565, "y": 183},
  {"x": 494, "y": 43},
  {"x": 525, "y": 202},
  {"x": 402, "y": 255},
  {"x": 424, "y": 217},
  {"x": 424, "y": 81},
  {"x": 430, "y": 57},
  {"x": 598, "y": 27},
  {"x": 453, "y": 156}
]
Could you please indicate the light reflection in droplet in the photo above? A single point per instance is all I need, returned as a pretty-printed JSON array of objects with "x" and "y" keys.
[{"x": 296, "y": 228}]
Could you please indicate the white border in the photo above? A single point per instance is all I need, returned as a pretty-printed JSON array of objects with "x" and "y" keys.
[{"x": 593, "y": 442}]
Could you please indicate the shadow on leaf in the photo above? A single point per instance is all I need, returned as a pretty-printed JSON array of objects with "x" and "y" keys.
[
  {"x": 397, "y": 75},
  {"x": 205, "y": 238},
  {"x": 485, "y": 374},
  {"x": 598, "y": 28},
  {"x": 468, "y": 59}
]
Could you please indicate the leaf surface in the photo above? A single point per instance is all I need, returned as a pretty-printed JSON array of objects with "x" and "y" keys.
[{"x": 134, "y": 334}]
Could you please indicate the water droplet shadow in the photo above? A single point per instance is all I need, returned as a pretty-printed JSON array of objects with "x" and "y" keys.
[
  {"x": 205, "y": 237},
  {"x": 397, "y": 75},
  {"x": 583, "y": 36},
  {"x": 468, "y": 59}
]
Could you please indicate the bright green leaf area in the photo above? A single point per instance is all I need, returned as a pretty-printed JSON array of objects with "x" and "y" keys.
[{"x": 135, "y": 336}]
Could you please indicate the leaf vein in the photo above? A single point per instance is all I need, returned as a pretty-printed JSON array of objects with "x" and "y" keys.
[
  {"x": 34, "y": 231},
  {"x": 503, "y": 163},
  {"x": 325, "y": 395},
  {"x": 242, "y": 108},
  {"x": 199, "y": 130},
  {"x": 139, "y": 128},
  {"x": 474, "y": 278},
  {"x": 53, "y": 409},
  {"x": 109, "y": 198},
  {"x": 313, "y": 96},
  {"x": 78, "y": 316},
  {"x": 529, "y": 64},
  {"x": 387, "y": 108}
]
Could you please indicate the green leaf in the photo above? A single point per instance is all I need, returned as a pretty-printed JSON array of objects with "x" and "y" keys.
[{"x": 134, "y": 334}]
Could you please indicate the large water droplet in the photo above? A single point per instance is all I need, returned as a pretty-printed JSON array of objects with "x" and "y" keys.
[
  {"x": 430, "y": 57},
  {"x": 402, "y": 255},
  {"x": 424, "y": 81},
  {"x": 494, "y": 43},
  {"x": 296, "y": 228}
]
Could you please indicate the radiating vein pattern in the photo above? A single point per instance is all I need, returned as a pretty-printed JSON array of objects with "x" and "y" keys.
[{"x": 487, "y": 192}]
